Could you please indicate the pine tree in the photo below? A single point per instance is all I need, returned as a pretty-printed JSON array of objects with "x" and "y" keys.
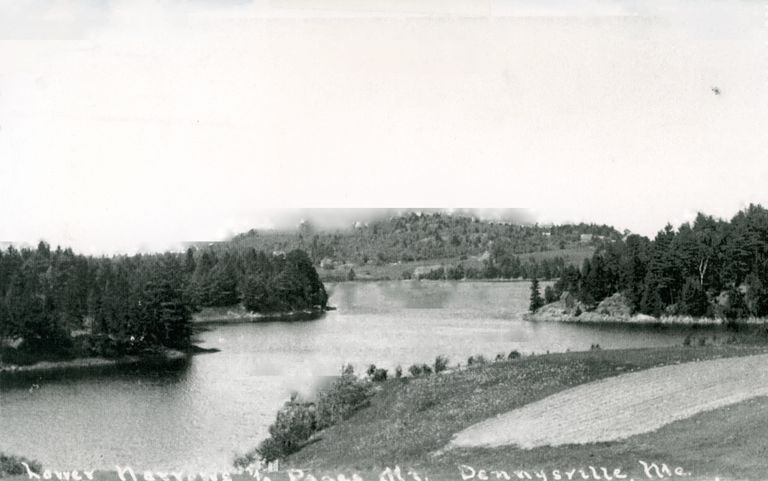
[{"x": 536, "y": 299}]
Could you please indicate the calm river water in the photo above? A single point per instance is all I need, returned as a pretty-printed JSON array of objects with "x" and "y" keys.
[{"x": 222, "y": 403}]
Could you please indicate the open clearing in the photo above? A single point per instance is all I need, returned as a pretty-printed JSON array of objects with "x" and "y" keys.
[{"x": 622, "y": 406}]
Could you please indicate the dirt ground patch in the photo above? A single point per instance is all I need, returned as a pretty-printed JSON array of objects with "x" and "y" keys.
[{"x": 623, "y": 406}]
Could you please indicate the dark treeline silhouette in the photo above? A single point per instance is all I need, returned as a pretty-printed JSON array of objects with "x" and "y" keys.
[
  {"x": 418, "y": 237},
  {"x": 711, "y": 268},
  {"x": 499, "y": 267},
  {"x": 59, "y": 301}
]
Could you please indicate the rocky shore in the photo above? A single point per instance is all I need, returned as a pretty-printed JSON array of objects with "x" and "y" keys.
[{"x": 616, "y": 309}]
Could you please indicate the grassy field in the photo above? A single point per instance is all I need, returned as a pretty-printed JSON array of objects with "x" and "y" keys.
[{"x": 410, "y": 421}]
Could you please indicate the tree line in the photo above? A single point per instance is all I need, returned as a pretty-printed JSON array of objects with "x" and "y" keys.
[
  {"x": 506, "y": 267},
  {"x": 134, "y": 302},
  {"x": 711, "y": 267}
]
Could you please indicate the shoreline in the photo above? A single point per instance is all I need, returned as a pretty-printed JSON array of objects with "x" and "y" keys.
[
  {"x": 481, "y": 392},
  {"x": 468, "y": 280},
  {"x": 640, "y": 320},
  {"x": 166, "y": 356},
  {"x": 237, "y": 314}
]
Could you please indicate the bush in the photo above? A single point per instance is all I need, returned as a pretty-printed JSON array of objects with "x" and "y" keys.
[
  {"x": 595, "y": 347},
  {"x": 415, "y": 370},
  {"x": 441, "y": 364},
  {"x": 345, "y": 396},
  {"x": 426, "y": 369},
  {"x": 687, "y": 340},
  {"x": 398, "y": 372},
  {"x": 499, "y": 357},
  {"x": 476, "y": 360},
  {"x": 702, "y": 341},
  {"x": 379, "y": 375},
  {"x": 549, "y": 295},
  {"x": 242, "y": 461},
  {"x": 297, "y": 421},
  {"x": 295, "y": 424},
  {"x": 513, "y": 355},
  {"x": 11, "y": 465}
]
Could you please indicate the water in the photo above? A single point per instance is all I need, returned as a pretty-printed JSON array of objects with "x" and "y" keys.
[{"x": 196, "y": 418}]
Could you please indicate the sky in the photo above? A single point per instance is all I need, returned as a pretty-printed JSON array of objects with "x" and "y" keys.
[{"x": 134, "y": 125}]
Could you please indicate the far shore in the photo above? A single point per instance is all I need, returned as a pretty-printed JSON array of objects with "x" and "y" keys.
[
  {"x": 639, "y": 319},
  {"x": 617, "y": 309},
  {"x": 238, "y": 314},
  {"x": 474, "y": 279}
]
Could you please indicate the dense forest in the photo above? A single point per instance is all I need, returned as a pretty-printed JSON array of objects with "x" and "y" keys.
[
  {"x": 504, "y": 266},
  {"x": 111, "y": 306},
  {"x": 712, "y": 268},
  {"x": 418, "y": 237}
]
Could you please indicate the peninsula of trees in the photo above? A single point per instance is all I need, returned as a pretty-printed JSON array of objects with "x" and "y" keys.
[
  {"x": 708, "y": 268},
  {"x": 59, "y": 304}
]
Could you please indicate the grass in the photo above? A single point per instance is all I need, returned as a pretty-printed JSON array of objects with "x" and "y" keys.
[{"x": 411, "y": 419}]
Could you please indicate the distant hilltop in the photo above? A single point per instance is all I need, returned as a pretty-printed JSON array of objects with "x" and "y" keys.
[{"x": 422, "y": 237}]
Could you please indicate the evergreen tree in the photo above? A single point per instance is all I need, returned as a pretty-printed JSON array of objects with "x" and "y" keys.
[
  {"x": 694, "y": 300},
  {"x": 536, "y": 300}
]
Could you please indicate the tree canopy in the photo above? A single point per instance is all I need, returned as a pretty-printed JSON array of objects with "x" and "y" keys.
[
  {"x": 710, "y": 267},
  {"x": 48, "y": 295}
]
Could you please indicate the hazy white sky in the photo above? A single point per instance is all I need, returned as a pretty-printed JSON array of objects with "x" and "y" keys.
[{"x": 132, "y": 124}]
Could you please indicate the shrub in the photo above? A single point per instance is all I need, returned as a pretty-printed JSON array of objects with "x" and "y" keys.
[
  {"x": 476, "y": 360},
  {"x": 499, "y": 357},
  {"x": 11, "y": 465},
  {"x": 702, "y": 341},
  {"x": 426, "y": 369},
  {"x": 346, "y": 395},
  {"x": 441, "y": 364},
  {"x": 687, "y": 340},
  {"x": 379, "y": 375},
  {"x": 398, "y": 372},
  {"x": 297, "y": 421},
  {"x": 549, "y": 295},
  {"x": 513, "y": 355},
  {"x": 242, "y": 461},
  {"x": 371, "y": 370},
  {"x": 415, "y": 370},
  {"x": 295, "y": 424},
  {"x": 595, "y": 347}
]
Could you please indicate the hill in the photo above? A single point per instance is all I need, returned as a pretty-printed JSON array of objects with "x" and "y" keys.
[{"x": 399, "y": 246}]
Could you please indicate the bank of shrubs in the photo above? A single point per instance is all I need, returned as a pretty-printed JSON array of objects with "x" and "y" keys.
[{"x": 298, "y": 420}]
